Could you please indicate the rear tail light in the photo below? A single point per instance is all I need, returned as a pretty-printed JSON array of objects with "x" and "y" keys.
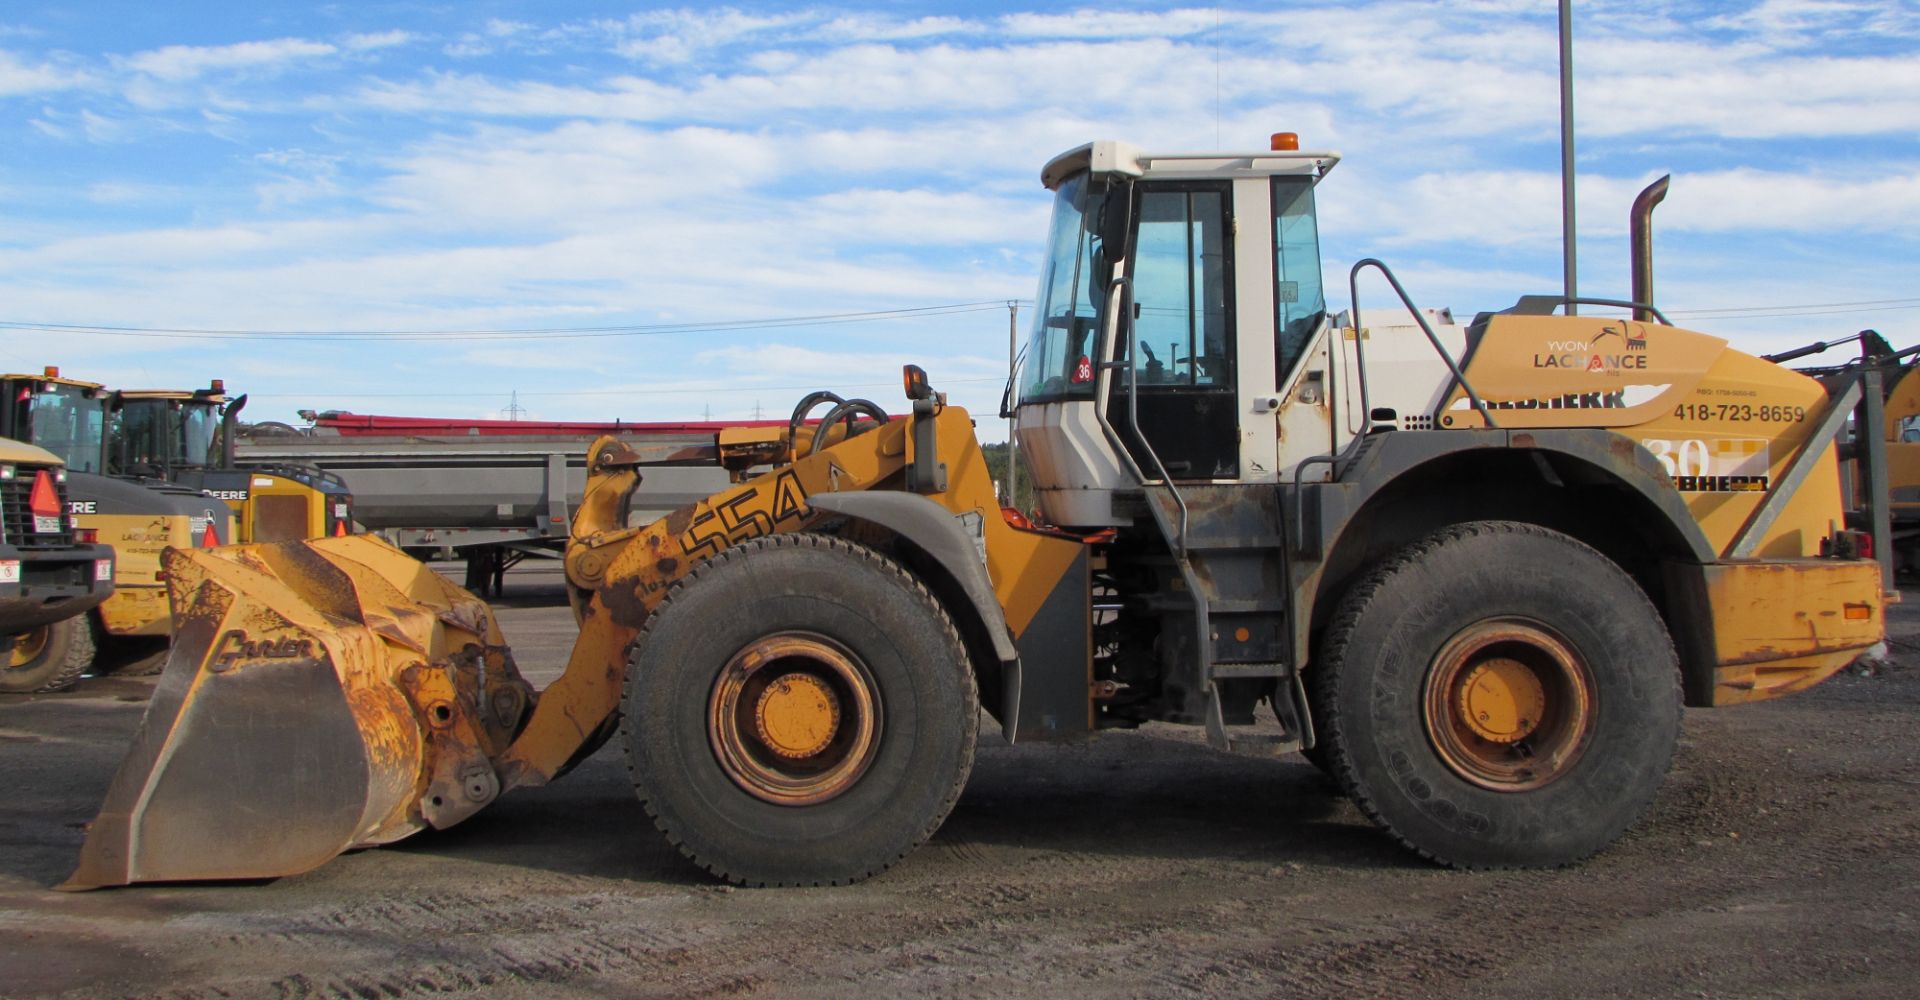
[
  {"x": 86, "y": 536},
  {"x": 1847, "y": 544}
]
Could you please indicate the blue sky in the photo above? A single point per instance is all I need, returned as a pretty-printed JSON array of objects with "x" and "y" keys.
[{"x": 423, "y": 167}]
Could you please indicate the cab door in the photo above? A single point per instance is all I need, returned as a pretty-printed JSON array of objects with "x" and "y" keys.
[{"x": 1182, "y": 364}]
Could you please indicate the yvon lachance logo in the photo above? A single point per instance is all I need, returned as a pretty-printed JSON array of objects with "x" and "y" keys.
[{"x": 1627, "y": 351}]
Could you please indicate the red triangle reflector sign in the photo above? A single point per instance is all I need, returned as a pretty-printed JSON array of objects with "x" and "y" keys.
[{"x": 45, "y": 505}]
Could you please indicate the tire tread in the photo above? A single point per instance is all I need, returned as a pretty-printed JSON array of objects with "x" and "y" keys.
[
  {"x": 880, "y": 563},
  {"x": 1325, "y": 692}
]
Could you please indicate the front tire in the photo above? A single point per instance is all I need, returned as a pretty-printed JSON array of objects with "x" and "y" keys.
[
  {"x": 47, "y": 658},
  {"x": 799, "y": 710},
  {"x": 1499, "y": 695}
]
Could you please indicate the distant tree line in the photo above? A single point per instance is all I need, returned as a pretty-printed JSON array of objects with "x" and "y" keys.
[{"x": 996, "y": 455}]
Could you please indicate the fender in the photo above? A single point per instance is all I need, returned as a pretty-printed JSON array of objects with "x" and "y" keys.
[{"x": 1327, "y": 510}]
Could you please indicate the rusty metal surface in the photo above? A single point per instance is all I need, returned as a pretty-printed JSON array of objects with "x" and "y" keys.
[{"x": 319, "y": 696}]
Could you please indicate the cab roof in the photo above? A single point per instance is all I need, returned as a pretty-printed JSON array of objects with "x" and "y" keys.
[{"x": 1112, "y": 157}]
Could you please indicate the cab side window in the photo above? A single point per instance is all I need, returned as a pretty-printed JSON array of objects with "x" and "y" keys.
[{"x": 1300, "y": 301}]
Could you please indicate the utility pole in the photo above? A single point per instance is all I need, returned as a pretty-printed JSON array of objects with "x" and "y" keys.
[{"x": 1566, "y": 155}]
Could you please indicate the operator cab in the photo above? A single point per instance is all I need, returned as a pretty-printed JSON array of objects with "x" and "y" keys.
[
  {"x": 188, "y": 438},
  {"x": 65, "y": 416},
  {"x": 1178, "y": 298},
  {"x": 162, "y": 432}
]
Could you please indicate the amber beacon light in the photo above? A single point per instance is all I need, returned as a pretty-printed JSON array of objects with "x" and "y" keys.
[{"x": 1285, "y": 141}]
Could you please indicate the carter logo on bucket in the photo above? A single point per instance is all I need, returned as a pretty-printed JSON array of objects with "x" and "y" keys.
[{"x": 235, "y": 648}]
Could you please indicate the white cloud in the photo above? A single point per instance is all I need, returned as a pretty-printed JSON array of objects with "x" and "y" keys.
[
  {"x": 185, "y": 62},
  {"x": 679, "y": 36},
  {"x": 1097, "y": 23},
  {"x": 874, "y": 28},
  {"x": 1522, "y": 208},
  {"x": 377, "y": 40},
  {"x": 299, "y": 176},
  {"x": 1806, "y": 23},
  {"x": 19, "y": 77}
]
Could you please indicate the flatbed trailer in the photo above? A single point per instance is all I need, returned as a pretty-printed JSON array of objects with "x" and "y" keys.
[{"x": 490, "y": 493}]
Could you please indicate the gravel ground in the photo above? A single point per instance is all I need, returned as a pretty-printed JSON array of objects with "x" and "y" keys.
[{"x": 1782, "y": 859}]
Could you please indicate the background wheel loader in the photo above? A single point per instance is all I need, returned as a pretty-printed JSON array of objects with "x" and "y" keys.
[
  {"x": 51, "y": 575},
  {"x": 1899, "y": 428},
  {"x": 138, "y": 516},
  {"x": 188, "y": 438},
  {"x": 1476, "y": 569}
]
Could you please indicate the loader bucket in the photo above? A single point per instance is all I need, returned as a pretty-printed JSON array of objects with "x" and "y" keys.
[{"x": 319, "y": 696}]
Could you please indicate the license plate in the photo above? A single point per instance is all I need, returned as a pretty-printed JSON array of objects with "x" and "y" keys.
[{"x": 47, "y": 525}]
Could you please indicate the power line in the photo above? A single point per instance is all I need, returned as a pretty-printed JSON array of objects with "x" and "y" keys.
[
  {"x": 534, "y": 333},
  {"x": 1810, "y": 309}
]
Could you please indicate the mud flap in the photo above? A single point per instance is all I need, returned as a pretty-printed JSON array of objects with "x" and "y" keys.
[{"x": 319, "y": 696}]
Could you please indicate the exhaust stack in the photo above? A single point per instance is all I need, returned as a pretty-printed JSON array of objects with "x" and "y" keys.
[{"x": 1642, "y": 239}]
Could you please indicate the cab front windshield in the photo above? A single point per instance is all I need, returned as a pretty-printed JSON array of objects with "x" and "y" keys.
[
  {"x": 168, "y": 433},
  {"x": 1072, "y": 296},
  {"x": 66, "y": 421}
]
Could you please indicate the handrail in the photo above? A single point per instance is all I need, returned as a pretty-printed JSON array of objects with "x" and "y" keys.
[
  {"x": 1117, "y": 285},
  {"x": 1337, "y": 458},
  {"x": 1360, "y": 358},
  {"x": 1123, "y": 314},
  {"x": 1585, "y": 300}
]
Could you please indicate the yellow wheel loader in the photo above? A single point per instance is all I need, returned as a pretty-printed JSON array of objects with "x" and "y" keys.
[
  {"x": 1474, "y": 569},
  {"x": 139, "y": 517},
  {"x": 51, "y": 574},
  {"x": 1897, "y": 488},
  {"x": 188, "y": 438}
]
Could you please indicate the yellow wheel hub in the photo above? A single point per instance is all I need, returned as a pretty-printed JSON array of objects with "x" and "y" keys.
[
  {"x": 27, "y": 646},
  {"x": 1502, "y": 701},
  {"x": 1509, "y": 704},
  {"x": 796, "y": 716},
  {"x": 794, "y": 719}
]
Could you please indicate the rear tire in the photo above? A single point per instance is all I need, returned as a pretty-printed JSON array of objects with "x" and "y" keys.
[
  {"x": 48, "y": 658},
  {"x": 1499, "y": 695},
  {"x": 799, "y": 711}
]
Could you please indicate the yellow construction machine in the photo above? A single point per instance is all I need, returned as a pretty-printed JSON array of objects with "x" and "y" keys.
[
  {"x": 1473, "y": 569},
  {"x": 139, "y": 516},
  {"x": 1896, "y": 482},
  {"x": 187, "y": 437},
  {"x": 52, "y": 574}
]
